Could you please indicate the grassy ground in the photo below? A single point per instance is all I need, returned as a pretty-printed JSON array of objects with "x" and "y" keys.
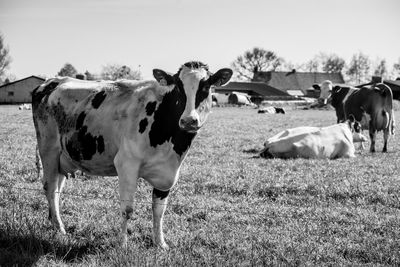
[{"x": 229, "y": 207}]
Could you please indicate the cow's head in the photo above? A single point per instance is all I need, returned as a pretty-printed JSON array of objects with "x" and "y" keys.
[
  {"x": 326, "y": 89},
  {"x": 193, "y": 80},
  {"x": 356, "y": 129}
]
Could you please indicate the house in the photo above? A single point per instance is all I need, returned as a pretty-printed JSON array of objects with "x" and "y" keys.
[
  {"x": 257, "y": 91},
  {"x": 393, "y": 84},
  {"x": 19, "y": 91},
  {"x": 296, "y": 83}
]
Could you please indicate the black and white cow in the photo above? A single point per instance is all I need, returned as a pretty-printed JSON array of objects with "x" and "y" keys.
[
  {"x": 127, "y": 128},
  {"x": 373, "y": 106}
]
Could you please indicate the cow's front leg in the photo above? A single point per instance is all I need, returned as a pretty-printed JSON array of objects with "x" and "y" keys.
[
  {"x": 127, "y": 176},
  {"x": 160, "y": 199}
]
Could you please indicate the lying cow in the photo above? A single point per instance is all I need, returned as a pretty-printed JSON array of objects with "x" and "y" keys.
[
  {"x": 331, "y": 142},
  {"x": 375, "y": 101},
  {"x": 127, "y": 128}
]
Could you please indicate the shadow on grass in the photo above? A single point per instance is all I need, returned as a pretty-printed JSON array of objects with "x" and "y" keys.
[{"x": 25, "y": 250}]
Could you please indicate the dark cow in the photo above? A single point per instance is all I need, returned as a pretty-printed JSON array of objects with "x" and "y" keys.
[
  {"x": 127, "y": 128},
  {"x": 375, "y": 102}
]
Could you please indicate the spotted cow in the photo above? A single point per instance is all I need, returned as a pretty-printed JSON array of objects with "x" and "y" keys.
[
  {"x": 373, "y": 106},
  {"x": 331, "y": 142},
  {"x": 127, "y": 128}
]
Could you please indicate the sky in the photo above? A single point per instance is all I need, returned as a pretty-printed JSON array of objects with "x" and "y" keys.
[{"x": 43, "y": 35}]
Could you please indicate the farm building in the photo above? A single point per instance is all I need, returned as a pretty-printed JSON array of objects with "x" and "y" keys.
[
  {"x": 257, "y": 91},
  {"x": 296, "y": 83},
  {"x": 395, "y": 86},
  {"x": 19, "y": 91}
]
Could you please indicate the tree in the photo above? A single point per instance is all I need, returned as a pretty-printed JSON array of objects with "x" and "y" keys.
[
  {"x": 255, "y": 60},
  {"x": 333, "y": 64},
  {"x": 67, "y": 70},
  {"x": 381, "y": 69},
  {"x": 89, "y": 76},
  {"x": 359, "y": 68},
  {"x": 116, "y": 71},
  {"x": 5, "y": 58},
  {"x": 396, "y": 69}
]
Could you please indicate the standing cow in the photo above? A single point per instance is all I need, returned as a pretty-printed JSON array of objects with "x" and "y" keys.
[
  {"x": 375, "y": 103},
  {"x": 127, "y": 128}
]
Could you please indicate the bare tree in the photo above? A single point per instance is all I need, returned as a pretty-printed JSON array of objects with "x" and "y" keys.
[
  {"x": 5, "y": 58},
  {"x": 359, "y": 68},
  {"x": 333, "y": 64},
  {"x": 67, "y": 70},
  {"x": 255, "y": 60},
  {"x": 396, "y": 69},
  {"x": 116, "y": 71},
  {"x": 381, "y": 69}
]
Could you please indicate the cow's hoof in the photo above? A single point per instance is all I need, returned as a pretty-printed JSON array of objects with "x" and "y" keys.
[{"x": 162, "y": 246}]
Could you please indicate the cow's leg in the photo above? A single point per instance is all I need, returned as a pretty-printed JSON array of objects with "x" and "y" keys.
[
  {"x": 160, "y": 199},
  {"x": 53, "y": 181},
  {"x": 385, "y": 139},
  {"x": 128, "y": 171},
  {"x": 372, "y": 136}
]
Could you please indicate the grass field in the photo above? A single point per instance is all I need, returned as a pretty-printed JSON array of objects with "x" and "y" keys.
[{"x": 229, "y": 207}]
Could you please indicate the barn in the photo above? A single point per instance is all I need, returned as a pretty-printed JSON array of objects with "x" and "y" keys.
[
  {"x": 257, "y": 91},
  {"x": 296, "y": 83},
  {"x": 19, "y": 91}
]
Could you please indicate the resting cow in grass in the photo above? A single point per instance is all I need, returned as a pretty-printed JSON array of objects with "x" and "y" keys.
[
  {"x": 127, "y": 128},
  {"x": 330, "y": 142},
  {"x": 375, "y": 103}
]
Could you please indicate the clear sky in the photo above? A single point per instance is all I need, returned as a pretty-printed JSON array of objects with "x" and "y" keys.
[{"x": 43, "y": 35}]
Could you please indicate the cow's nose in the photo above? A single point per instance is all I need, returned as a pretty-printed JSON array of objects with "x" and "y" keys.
[{"x": 189, "y": 121}]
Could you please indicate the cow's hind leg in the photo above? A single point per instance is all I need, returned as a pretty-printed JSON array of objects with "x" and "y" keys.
[
  {"x": 372, "y": 136},
  {"x": 53, "y": 183},
  {"x": 160, "y": 199},
  {"x": 385, "y": 139}
]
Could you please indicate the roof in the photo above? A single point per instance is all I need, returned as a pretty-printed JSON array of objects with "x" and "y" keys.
[
  {"x": 392, "y": 82},
  {"x": 294, "y": 80},
  {"x": 252, "y": 88},
  {"x": 17, "y": 81}
]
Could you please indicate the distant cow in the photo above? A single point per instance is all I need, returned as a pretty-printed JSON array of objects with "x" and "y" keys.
[
  {"x": 375, "y": 103},
  {"x": 330, "y": 142},
  {"x": 127, "y": 128},
  {"x": 271, "y": 110}
]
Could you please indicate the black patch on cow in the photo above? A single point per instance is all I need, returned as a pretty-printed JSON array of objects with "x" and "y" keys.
[
  {"x": 100, "y": 144},
  {"x": 98, "y": 99},
  {"x": 166, "y": 123},
  {"x": 150, "y": 108},
  {"x": 82, "y": 145},
  {"x": 39, "y": 100},
  {"x": 79, "y": 121},
  {"x": 142, "y": 125},
  {"x": 160, "y": 194},
  {"x": 202, "y": 93}
]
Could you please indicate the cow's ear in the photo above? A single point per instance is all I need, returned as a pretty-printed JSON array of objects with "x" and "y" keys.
[
  {"x": 316, "y": 86},
  {"x": 221, "y": 77},
  {"x": 351, "y": 118},
  {"x": 162, "y": 77},
  {"x": 336, "y": 89}
]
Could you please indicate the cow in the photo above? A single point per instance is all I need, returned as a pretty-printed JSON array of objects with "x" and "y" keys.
[
  {"x": 330, "y": 142},
  {"x": 375, "y": 102},
  {"x": 127, "y": 128}
]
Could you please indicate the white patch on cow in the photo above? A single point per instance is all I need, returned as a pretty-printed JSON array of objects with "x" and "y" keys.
[
  {"x": 326, "y": 89},
  {"x": 191, "y": 79}
]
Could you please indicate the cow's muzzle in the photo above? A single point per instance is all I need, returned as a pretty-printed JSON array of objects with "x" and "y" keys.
[{"x": 189, "y": 124}]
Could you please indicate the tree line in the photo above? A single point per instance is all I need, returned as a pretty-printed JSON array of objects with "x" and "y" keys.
[{"x": 357, "y": 71}]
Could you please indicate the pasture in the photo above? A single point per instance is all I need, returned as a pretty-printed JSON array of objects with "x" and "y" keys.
[{"x": 229, "y": 207}]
